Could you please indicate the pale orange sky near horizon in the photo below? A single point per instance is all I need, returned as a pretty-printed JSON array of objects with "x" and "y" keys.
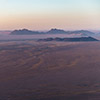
[{"x": 46, "y": 14}]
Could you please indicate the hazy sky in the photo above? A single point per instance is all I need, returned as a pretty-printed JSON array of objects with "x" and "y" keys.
[{"x": 46, "y": 14}]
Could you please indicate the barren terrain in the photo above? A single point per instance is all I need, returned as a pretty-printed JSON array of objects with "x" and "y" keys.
[{"x": 31, "y": 70}]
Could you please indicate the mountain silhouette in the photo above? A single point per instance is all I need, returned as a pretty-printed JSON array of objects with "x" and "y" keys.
[
  {"x": 25, "y": 32},
  {"x": 76, "y": 39},
  {"x": 57, "y": 31},
  {"x": 52, "y": 31}
]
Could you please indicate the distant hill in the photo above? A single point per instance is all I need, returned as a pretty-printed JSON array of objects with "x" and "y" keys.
[
  {"x": 52, "y": 31},
  {"x": 83, "y": 32},
  {"x": 76, "y": 39},
  {"x": 57, "y": 31},
  {"x": 25, "y": 32}
]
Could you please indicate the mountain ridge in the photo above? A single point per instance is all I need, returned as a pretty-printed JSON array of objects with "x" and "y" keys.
[
  {"x": 52, "y": 31},
  {"x": 75, "y": 39}
]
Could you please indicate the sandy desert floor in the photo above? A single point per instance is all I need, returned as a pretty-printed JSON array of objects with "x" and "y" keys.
[{"x": 32, "y": 70}]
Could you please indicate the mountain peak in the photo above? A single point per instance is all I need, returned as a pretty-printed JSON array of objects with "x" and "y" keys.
[{"x": 54, "y": 30}]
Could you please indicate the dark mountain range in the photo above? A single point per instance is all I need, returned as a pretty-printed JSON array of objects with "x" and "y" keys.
[
  {"x": 25, "y": 32},
  {"x": 28, "y": 32},
  {"x": 52, "y": 31},
  {"x": 76, "y": 39}
]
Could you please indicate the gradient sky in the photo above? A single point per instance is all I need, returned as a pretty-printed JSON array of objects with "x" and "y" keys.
[{"x": 46, "y": 14}]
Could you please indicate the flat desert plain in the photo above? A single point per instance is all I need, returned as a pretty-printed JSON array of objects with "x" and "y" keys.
[{"x": 31, "y": 70}]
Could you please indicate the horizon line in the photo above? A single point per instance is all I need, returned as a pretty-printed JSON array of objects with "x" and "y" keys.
[{"x": 47, "y": 29}]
